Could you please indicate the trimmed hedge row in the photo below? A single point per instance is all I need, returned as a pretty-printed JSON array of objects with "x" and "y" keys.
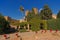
[{"x": 53, "y": 24}]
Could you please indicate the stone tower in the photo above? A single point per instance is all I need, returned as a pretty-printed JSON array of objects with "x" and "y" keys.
[
  {"x": 26, "y": 12},
  {"x": 35, "y": 10}
]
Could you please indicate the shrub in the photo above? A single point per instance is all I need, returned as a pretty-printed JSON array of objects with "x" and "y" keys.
[{"x": 54, "y": 24}]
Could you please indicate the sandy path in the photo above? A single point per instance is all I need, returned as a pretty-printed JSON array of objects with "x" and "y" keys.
[{"x": 33, "y": 36}]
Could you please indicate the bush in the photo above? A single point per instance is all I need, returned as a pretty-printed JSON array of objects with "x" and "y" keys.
[
  {"x": 23, "y": 30},
  {"x": 53, "y": 24},
  {"x": 44, "y": 24},
  {"x": 22, "y": 25},
  {"x": 4, "y": 25},
  {"x": 35, "y": 24}
]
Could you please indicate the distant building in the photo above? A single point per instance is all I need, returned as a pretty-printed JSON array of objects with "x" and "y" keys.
[
  {"x": 26, "y": 12},
  {"x": 54, "y": 16},
  {"x": 7, "y": 18},
  {"x": 13, "y": 20},
  {"x": 35, "y": 10},
  {"x": 23, "y": 20}
]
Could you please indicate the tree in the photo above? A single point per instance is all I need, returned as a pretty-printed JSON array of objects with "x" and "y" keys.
[
  {"x": 46, "y": 13},
  {"x": 3, "y": 23},
  {"x": 34, "y": 22},
  {"x": 30, "y": 16},
  {"x": 58, "y": 15},
  {"x": 53, "y": 24},
  {"x": 21, "y": 8}
]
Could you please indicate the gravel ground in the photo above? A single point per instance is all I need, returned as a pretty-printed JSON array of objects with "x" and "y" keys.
[{"x": 33, "y": 36}]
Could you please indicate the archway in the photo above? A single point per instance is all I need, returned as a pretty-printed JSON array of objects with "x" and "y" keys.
[
  {"x": 21, "y": 27},
  {"x": 41, "y": 26},
  {"x": 26, "y": 26},
  {"x": 29, "y": 26}
]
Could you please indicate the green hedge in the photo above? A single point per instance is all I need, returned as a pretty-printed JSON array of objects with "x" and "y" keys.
[
  {"x": 1, "y": 31},
  {"x": 53, "y": 24},
  {"x": 35, "y": 24}
]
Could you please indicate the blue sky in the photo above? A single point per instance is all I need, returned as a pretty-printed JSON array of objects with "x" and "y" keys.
[{"x": 11, "y": 7}]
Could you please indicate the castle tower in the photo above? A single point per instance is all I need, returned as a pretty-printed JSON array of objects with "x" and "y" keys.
[
  {"x": 7, "y": 18},
  {"x": 35, "y": 10},
  {"x": 26, "y": 12}
]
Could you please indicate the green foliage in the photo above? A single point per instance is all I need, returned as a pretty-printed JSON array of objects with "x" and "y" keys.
[
  {"x": 53, "y": 24},
  {"x": 34, "y": 22},
  {"x": 44, "y": 24},
  {"x": 22, "y": 26},
  {"x": 23, "y": 30},
  {"x": 3, "y": 23},
  {"x": 58, "y": 15},
  {"x": 21, "y": 8},
  {"x": 46, "y": 13},
  {"x": 14, "y": 23},
  {"x": 30, "y": 16},
  {"x": 23, "y": 23}
]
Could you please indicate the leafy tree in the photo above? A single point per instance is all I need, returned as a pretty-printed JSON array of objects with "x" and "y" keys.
[
  {"x": 53, "y": 24},
  {"x": 21, "y": 8},
  {"x": 58, "y": 15},
  {"x": 3, "y": 23},
  {"x": 46, "y": 13},
  {"x": 34, "y": 22},
  {"x": 23, "y": 24},
  {"x": 30, "y": 16}
]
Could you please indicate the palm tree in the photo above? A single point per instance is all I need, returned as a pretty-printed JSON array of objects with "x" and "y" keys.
[{"x": 21, "y": 8}]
